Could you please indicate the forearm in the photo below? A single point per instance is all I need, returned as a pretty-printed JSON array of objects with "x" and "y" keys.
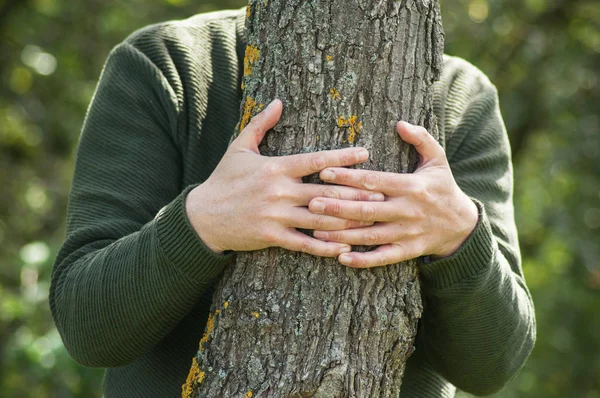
[
  {"x": 478, "y": 327},
  {"x": 113, "y": 299}
]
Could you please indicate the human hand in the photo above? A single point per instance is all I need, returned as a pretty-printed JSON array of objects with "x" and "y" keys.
[
  {"x": 425, "y": 213},
  {"x": 251, "y": 202}
]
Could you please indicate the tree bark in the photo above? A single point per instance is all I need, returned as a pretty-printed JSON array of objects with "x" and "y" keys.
[{"x": 287, "y": 324}]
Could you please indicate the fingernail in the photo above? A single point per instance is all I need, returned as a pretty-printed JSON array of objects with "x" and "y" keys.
[
  {"x": 345, "y": 249},
  {"x": 346, "y": 259},
  {"x": 377, "y": 197},
  {"x": 361, "y": 155},
  {"x": 408, "y": 126},
  {"x": 271, "y": 105},
  {"x": 317, "y": 207},
  {"x": 327, "y": 175}
]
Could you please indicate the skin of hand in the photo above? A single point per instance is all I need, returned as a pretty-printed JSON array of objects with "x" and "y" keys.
[
  {"x": 424, "y": 213},
  {"x": 251, "y": 202}
]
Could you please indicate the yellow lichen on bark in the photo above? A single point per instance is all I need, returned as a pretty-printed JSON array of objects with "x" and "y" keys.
[
  {"x": 329, "y": 57},
  {"x": 250, "y": 108},
  {"x": 252, "y": 54},
  {"x": 248, "y": 394},
  {"x": 210, "y": 324},
  {"x": 226, "y": 304},
  {"x": 353, "y": 125},
  {"x": 194, "y": 376},
  {"x": 335, "y": 95},
  {"x": 256, "y": 315},
  {"x": 248, "y": 112}
]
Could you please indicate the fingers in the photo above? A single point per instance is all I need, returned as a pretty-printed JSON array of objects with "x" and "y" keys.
[
  {"x": 391, "y": 184},
  {"x": 298, "y": 242},
  {"x": 352, "y": 210},
  {"x": 384, "y": 255},
  {"x": 424, "y": 143},
  {"x": 251, "y": 137},
  {"x": 308, "y": 192},
  {"x": 379, "y": 234},
  {"x": 300, "y": 217},
  {"x": 305, "y": 164}
]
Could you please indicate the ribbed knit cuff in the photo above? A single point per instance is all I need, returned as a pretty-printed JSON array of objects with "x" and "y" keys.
[
  {"x": 183, "y": 247},
  {"x": 470, "y": 259}
]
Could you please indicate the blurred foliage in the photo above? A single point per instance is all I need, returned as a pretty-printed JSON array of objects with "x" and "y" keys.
[{"x": 543, "y": 55}]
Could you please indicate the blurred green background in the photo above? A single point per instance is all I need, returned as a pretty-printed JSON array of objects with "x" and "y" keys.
[{"x": 543, "y": 55}]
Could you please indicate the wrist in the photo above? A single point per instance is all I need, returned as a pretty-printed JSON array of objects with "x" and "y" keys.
[
  {"x": 466, "y": 220},
  {"x": 199, "y": 219}
]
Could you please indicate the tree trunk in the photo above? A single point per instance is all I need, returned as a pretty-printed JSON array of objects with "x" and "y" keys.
[{"x": 287, "y": 324}]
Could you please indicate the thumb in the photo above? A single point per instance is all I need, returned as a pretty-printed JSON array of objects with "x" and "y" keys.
[
  {"x": 427, "y": 146},
  {"x": 252, "y": 135}
]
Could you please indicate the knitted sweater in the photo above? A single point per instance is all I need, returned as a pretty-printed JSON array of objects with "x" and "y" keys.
[{"x": 132, "y": 284}]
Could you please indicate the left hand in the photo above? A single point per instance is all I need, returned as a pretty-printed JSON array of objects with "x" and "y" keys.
[{"x": 424, "y": 213}]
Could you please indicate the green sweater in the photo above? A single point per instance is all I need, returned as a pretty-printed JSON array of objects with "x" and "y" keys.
[{"x": 132, "y": 283}]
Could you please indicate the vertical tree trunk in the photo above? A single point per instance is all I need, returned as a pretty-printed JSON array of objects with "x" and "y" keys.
[{"x": 287, "y": 324}]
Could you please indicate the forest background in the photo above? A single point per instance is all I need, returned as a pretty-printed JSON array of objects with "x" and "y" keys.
[{"x": 543, "y": 55}]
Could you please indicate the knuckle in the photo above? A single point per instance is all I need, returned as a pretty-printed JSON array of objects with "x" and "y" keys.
[
  {"x": 255, "y": 123},
  {"x": 371, "y": 181},
  {"x": 335, "y": 208},
  {"x": 271, "y": 168},
  {"x": 345, "y": 158},
  {"x": 367, "y": 212},
  {"x": 317, "y": 162},
  {"x": 383, "y": 259},
  {"x": 410, "y": 187},
  {"x": 267, "y": 213},
  {"x": 361, "y": 263},
  {"x": 416, "y": 214},
  {"x": 277, "y": 194},
  {"x": 306, "y": 246},
  {"x": 422, "y": 194},
  {"x": 371, "y": 238},
  {"x": 331, "y": 193},
  {"x": 319, "y": 222},
  {"x": 415, "y": 189},
  {"x": 420, "y": 214},
  {"x": 414, "y": 231},
  {"x": 270, "y": 237},
  {"x": 334, "y": 236},
  {"x": 422, "y": 134}
]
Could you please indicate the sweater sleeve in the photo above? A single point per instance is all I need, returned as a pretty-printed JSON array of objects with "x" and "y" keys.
[
  {"x": 478, "y": 326},
  {"x": 131, "y": 266}
]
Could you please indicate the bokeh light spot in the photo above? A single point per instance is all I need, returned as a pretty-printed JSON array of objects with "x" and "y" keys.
[
  {"x": 35, "y": 253},
  {"x": 478, "y": 10},
  {"x": 40, "y": 61}
]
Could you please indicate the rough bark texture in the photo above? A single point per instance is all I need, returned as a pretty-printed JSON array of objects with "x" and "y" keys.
[{"x": 288, "y": 324}]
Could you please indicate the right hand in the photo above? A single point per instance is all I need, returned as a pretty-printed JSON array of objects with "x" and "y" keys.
[{"x": 251, "y": 202}]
